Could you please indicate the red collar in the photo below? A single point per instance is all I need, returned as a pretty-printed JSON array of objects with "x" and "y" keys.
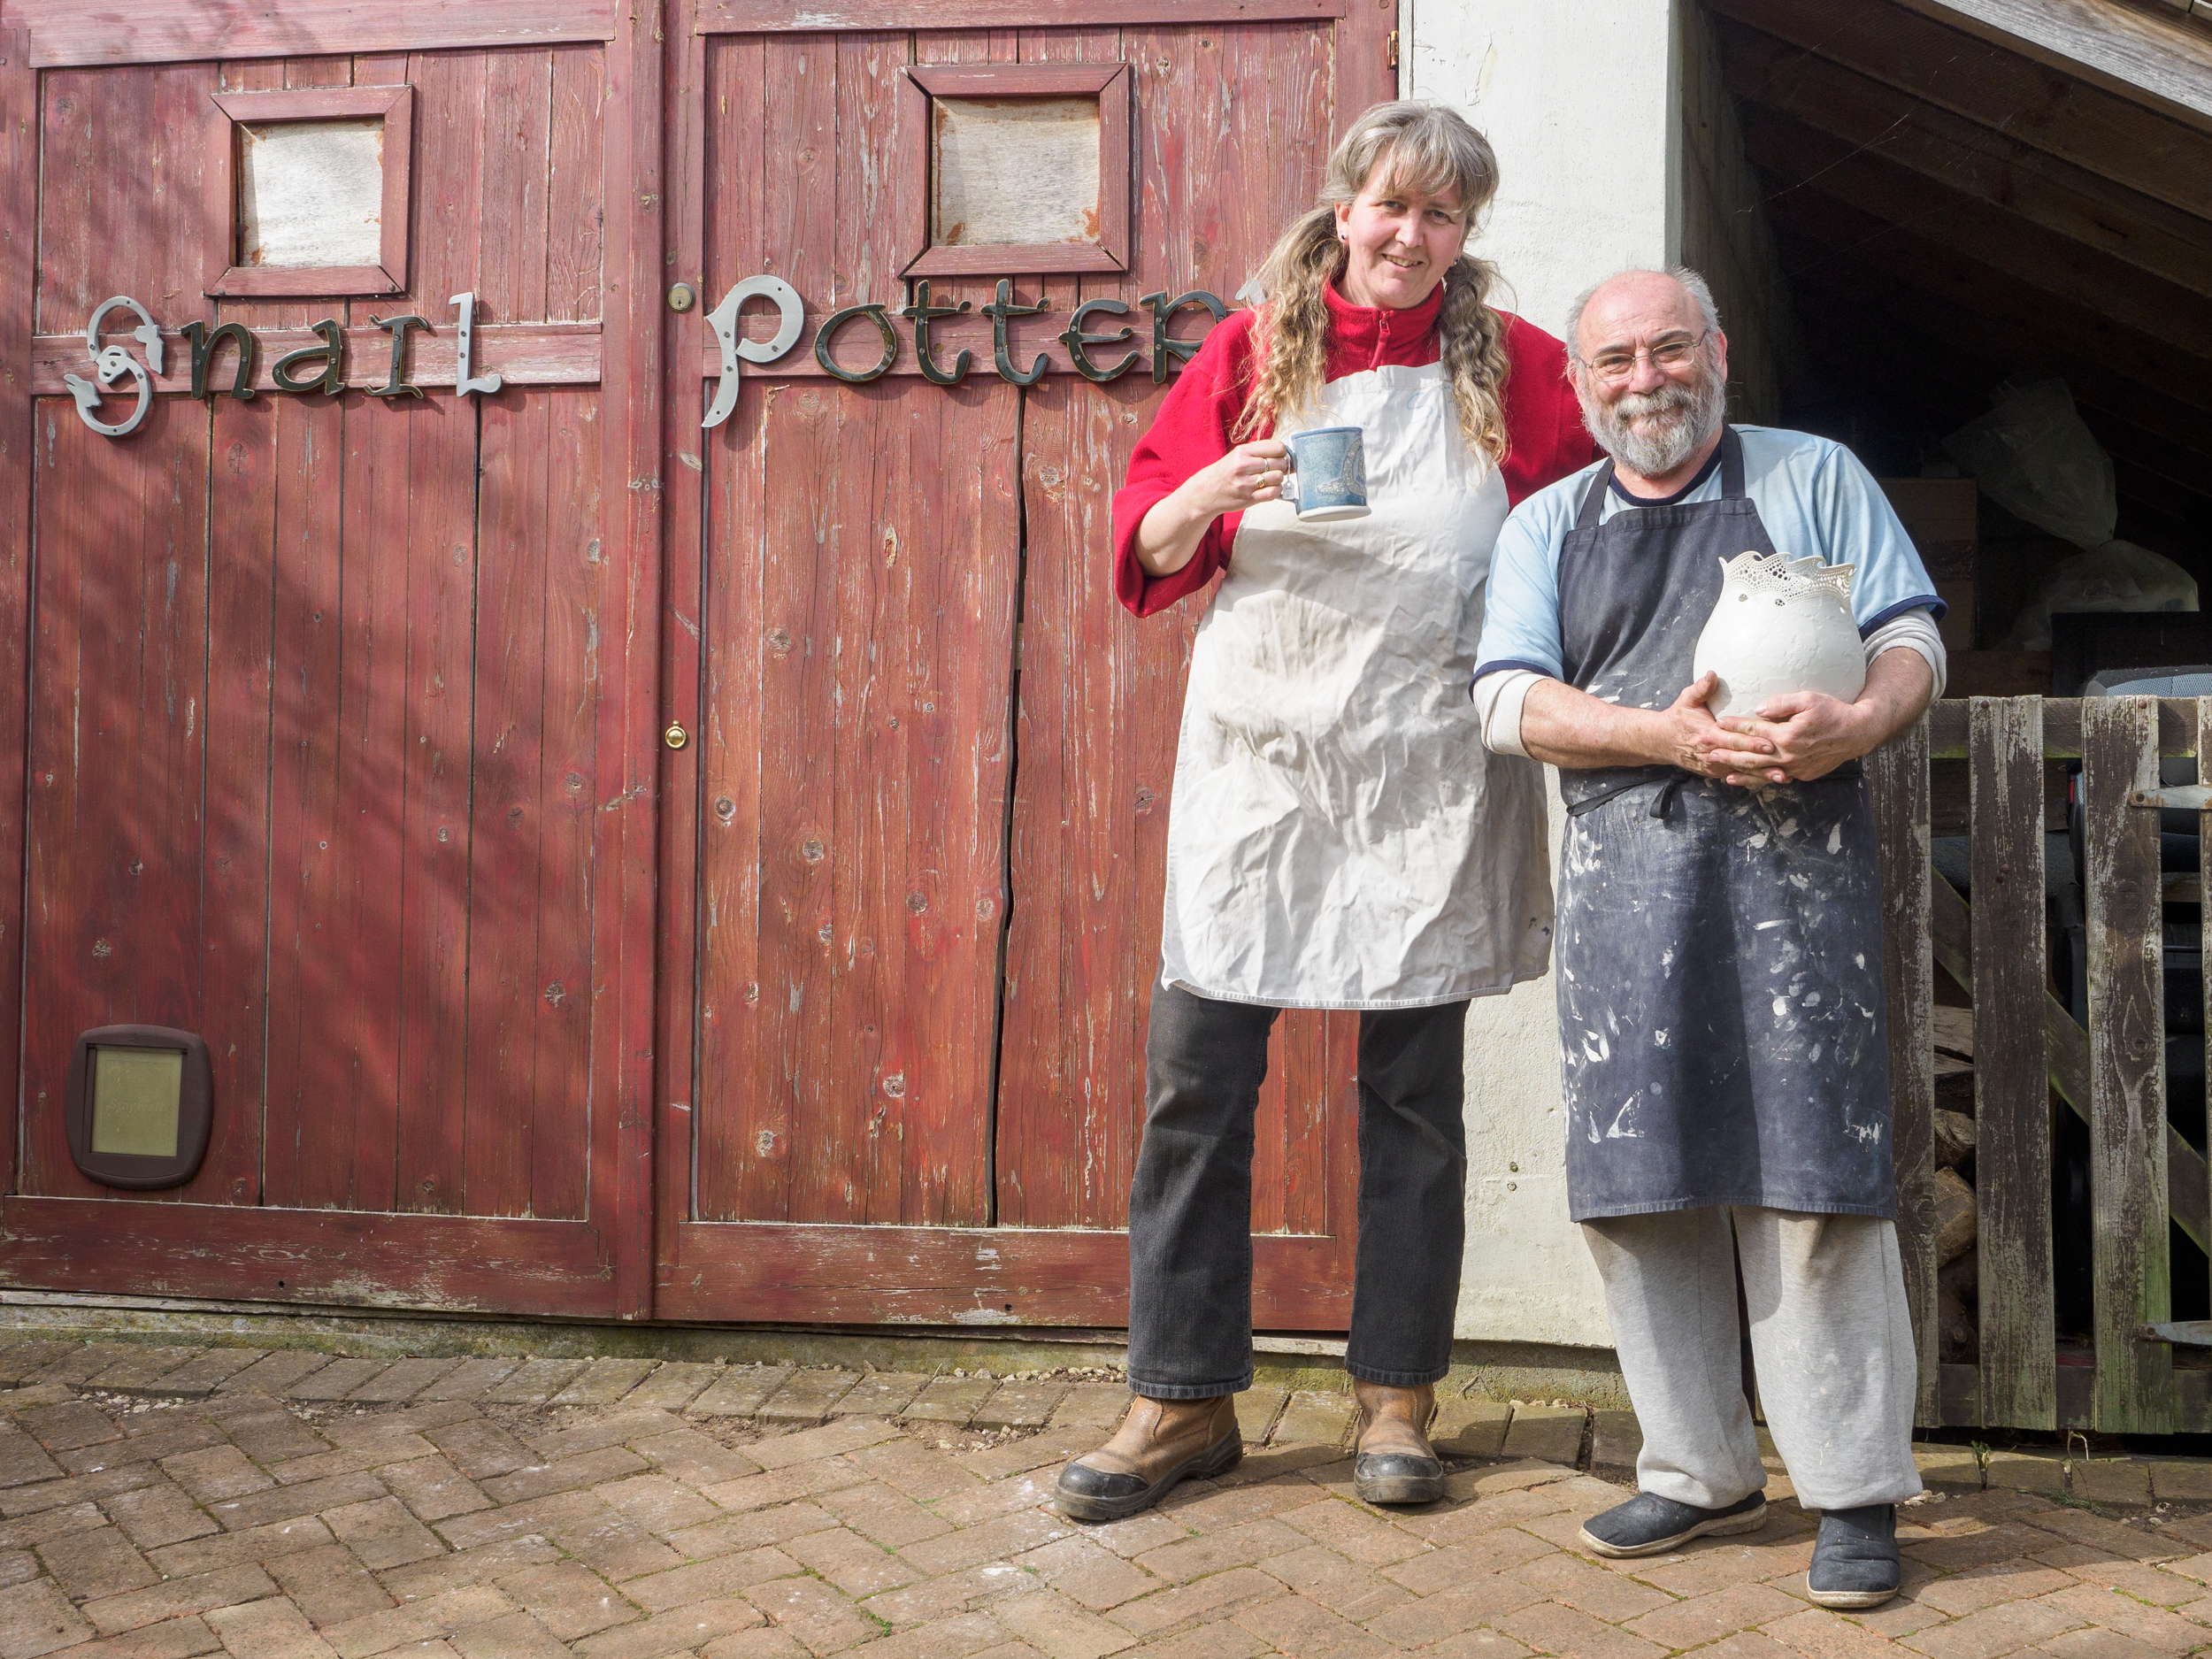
[{"x": 1368, "y": 336}]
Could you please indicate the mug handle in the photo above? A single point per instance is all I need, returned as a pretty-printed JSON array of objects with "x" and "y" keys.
[{"x": 1288, "y": 488}]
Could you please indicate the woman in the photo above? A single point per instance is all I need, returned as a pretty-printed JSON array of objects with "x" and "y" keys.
[{"x": 1339, "y": 838}]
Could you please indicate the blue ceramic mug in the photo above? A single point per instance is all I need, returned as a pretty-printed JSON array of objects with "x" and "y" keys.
[{"x": 1328, "y": 478}]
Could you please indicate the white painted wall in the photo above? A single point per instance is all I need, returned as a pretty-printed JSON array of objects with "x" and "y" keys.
[{"x": 1577, "y": 98}]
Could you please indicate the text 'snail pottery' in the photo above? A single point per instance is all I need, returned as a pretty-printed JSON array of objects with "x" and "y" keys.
[
  {"x": 1328, "y": 478},
  {"x": 1781, "y": 624}
]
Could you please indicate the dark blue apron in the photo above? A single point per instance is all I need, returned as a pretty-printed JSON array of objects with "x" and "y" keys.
[{"x": 1720, "y": 950}]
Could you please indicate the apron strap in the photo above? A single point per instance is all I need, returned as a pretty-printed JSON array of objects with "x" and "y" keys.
[
  {"x": 1594, "y": 498},
  {"x": 1731, "y": 465}
]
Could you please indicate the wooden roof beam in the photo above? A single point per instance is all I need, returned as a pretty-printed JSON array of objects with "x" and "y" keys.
[
  {"x": 2157, "y": 61},
  {"x": 2051, "y": 262},
  {"x": 1978, "y": 161},
  {"x": 1933, "y": 330},
  {"x": 2101, "y": 131},
  {"x": 1871, "y": 251}
]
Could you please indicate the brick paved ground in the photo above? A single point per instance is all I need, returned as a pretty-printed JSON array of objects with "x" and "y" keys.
[{"x": 164, "y": 1504}]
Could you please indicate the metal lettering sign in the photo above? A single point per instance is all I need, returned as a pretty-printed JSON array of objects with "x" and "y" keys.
[
  {"x": 319, "y": 370},
  {"x": 922, "y": 318}
]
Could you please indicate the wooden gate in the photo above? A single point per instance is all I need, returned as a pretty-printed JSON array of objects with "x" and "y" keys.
[
  {"x": 2032, "y": 1059},
  {"x": 912, "y": 868},
  {"x": 338, "y": 706}
]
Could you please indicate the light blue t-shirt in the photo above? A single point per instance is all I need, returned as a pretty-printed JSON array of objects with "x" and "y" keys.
[{"x": 1812, "y": 495}]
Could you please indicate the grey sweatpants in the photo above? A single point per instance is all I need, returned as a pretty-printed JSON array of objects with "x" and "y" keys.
[{"x": 1831, "y": 1337}]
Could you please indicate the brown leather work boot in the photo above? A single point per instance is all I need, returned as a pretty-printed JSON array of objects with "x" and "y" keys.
[
  {"x": 1157, "y": 1444},
  {"x": 1395, "y": 1463}
]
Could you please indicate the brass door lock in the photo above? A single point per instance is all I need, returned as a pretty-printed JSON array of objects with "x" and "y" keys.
[
  {"x": 682, "y": 296},
  {"x": 675, "y": 736}
]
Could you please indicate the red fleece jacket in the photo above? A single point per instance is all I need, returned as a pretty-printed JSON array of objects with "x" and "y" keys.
[{"x": 1542, "y": 421}]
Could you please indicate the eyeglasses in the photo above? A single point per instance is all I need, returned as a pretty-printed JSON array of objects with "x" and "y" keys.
[{"x": 1666, "y": 357}]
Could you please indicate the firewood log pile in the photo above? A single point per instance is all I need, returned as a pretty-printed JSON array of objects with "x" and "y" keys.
[{"x": 1959, "y": 1334}]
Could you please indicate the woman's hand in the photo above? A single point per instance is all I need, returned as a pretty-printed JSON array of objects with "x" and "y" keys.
[
  {"x": 1247, "y": 475},
  {"x": 1795, "y": 739}
]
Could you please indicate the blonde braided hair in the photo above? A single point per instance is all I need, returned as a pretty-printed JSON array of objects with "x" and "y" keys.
[{"x": 1407, "y": 146}]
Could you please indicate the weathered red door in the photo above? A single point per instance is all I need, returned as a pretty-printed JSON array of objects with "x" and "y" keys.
[
  {"x": 913, "y": 865},
  {"x": 339, "y": 712}
]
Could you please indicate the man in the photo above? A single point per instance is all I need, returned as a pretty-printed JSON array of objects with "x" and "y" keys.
[{"x": 1719, "y": 938}]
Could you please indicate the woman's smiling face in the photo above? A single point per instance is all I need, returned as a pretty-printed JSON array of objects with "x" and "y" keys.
[{"x": 1401, "y": 242}]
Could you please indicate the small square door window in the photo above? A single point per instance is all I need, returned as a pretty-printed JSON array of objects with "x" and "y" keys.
[
  {"x": 307, "y": 192},
  {"x": 1026, "y": 172}
]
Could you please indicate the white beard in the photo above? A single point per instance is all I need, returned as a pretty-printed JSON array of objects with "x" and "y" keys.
[{"x": 1672, "y": 423}]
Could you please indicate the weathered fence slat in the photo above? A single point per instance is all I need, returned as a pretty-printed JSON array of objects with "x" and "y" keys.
[
  {"x": 2127, "y": 1068},
  {"x": 1898, "y": 774},
  {"x": 2066, "y": 1046},
  {"x": 2204, "y": 926},
  {"x": 1947, "y": 726},
  {"x": 2012, "y": 1090}
]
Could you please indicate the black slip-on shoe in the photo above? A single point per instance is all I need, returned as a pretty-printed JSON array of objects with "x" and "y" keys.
[
  {"x": 1084, "y": 1493},
  {"x": 1648, "y": 1524},
  {"x": 1855, "y": 1558}
]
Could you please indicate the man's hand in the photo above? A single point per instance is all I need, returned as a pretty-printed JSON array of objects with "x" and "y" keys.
[
  {"x": 1696, "y": 741},
  {"x": 1795, "y": 739}
]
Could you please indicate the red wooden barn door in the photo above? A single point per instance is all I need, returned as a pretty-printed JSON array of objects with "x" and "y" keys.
[
  {"x": 338, "y": 721},
  {"x": 911, "y": 869}
]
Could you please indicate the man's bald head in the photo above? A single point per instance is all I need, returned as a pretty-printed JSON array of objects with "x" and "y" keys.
[
  {"x": 1639, "y": 303},
  {"x": 1650, "y": 368}
]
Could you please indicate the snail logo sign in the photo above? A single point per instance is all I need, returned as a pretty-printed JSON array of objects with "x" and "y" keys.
[{"x": 317, "y": 368}]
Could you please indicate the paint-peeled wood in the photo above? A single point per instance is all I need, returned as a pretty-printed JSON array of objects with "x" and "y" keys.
[
  {"x": 2127, "y": 1068},
  {"x": 310, "y": 193},
  {"x": 1019, "y": 171},
  {"x": 2011, "y": 1135}
]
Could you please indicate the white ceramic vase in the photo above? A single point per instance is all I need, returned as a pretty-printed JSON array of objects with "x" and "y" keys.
[{"x": 1780, "y": 624}]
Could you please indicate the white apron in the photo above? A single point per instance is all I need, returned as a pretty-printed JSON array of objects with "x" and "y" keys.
[{"x": 1339, "y": 837}]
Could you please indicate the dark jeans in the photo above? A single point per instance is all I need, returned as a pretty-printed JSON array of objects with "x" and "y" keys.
[{"x": 1190, "y": 1205}]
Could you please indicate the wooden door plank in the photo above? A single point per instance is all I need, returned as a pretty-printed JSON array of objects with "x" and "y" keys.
[
  {"x": 19, "y": 128},
  {"x": 74, "y": 465},
  {"x": 574, "y": 574},
  {"x": 627, "y": 736},
  {"x": 2127, "y": 1062},
  {"x": 740, "y": 1120},
  {"x": 892, "y": 1275},
  {"x": 792, "y": 1175},
  {"x": 233, "y": 877},
  {"x": 575, "y": 192},
  {"x": 1898, "y": 777},
  {"x": 676, "y": 1031},
  {"x": 311, "y": 1077},
  {"x": 153, "y": 31},
  {"x": 515, "y": 236},
  {"x": 2012, "y": 1163},
  {"x": 439, "y": 546},
  {"x": 507, "y": 1094},
  {"x": 349, "y": 1140},
  {"x": 447, "y": 1263}
]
